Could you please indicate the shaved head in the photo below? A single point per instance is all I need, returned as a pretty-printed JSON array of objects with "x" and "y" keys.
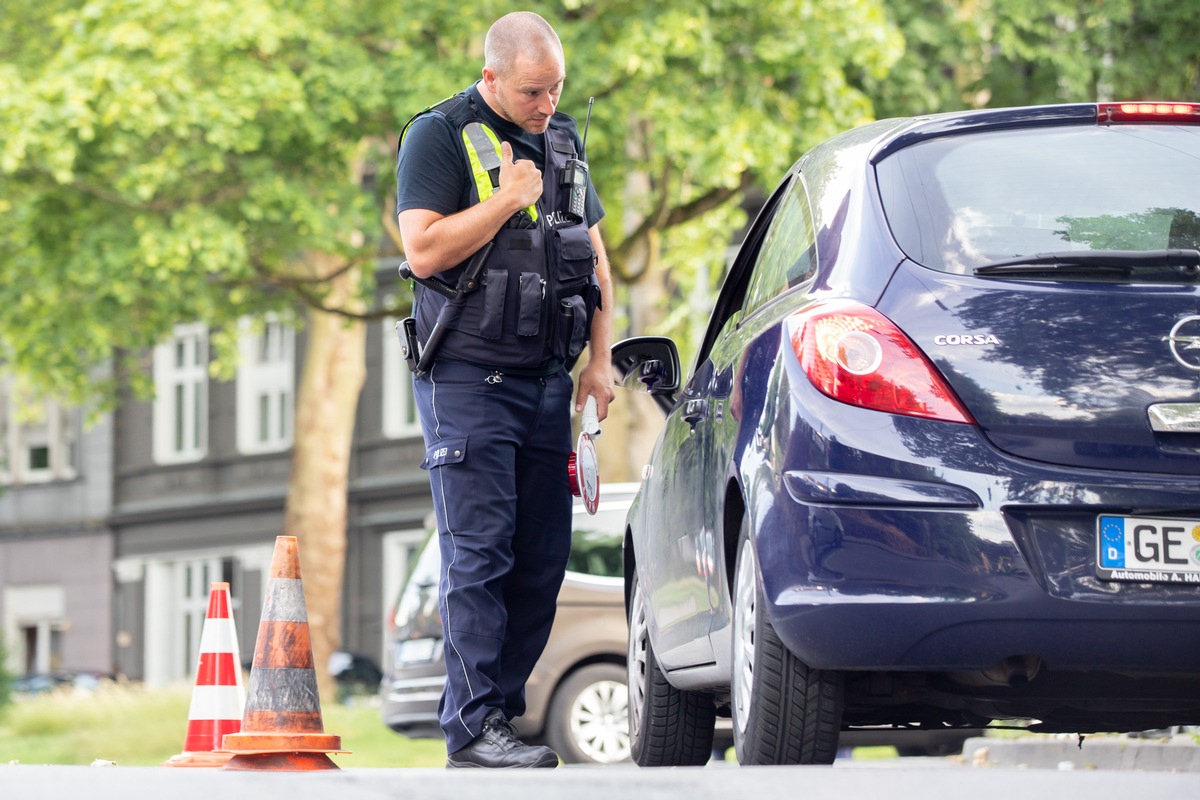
[{"x": 520, "y": 33}]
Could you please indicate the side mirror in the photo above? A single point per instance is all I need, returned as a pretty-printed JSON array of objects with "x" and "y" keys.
[{"x": 648, "y": 364}]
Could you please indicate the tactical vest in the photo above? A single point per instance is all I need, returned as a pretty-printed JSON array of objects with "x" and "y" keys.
[{"x": 539, "y": 288}]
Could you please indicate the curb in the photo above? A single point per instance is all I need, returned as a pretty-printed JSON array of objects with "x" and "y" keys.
[{"x": 1176, "y": 754}]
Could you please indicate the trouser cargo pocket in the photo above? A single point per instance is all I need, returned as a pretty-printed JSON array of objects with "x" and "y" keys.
[{"x": 445, "y": 451}]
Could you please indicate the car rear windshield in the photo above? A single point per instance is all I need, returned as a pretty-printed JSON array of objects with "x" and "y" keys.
[{"x": 964, "y": 201}]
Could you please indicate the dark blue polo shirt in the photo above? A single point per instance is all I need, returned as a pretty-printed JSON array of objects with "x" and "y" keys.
[{"x": 432, "y": 171}]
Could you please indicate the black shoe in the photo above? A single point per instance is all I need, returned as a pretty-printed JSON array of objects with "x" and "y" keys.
[{"x": 499, "y": 748}]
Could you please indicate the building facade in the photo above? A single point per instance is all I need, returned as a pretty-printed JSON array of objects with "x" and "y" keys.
[
  {"x": 106, "y": 564},
  {"x": 55, "y": 543},
  {"x": 200, "y": 481}
]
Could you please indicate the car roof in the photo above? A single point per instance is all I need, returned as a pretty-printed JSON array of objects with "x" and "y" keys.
[{"x": 910, "y": 130}]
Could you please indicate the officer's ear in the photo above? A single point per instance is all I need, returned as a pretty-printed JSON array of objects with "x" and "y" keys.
[{"x": 489, "y": 79}]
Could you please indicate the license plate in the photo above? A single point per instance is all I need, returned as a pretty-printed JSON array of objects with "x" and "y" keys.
[
  {"x": 415, "y": 650},
  {"x": 1148, "y": 549}
]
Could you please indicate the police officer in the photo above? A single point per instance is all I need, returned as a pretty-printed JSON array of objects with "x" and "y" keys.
[{"x": 491, "y": 166}]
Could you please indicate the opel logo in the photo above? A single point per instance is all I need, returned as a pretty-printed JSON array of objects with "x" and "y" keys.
[{"x": 1185, "y": 342}]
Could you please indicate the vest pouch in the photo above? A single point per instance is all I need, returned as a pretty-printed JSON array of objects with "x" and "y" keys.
[
  {"x": 495, "y": 288},
  {"x": 531, "y": 292},
  {"x": 571, "y": 253},
  {"x": 571, "y": 328}
]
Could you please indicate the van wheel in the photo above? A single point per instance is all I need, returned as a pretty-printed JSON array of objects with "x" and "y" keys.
[
  {"x": 588, "y": 720},
  {"x": 668, "y": 727},
  {"x": 784, "y": 712}
]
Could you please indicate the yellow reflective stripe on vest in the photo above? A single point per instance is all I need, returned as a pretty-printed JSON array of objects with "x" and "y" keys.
[{"x": 483, "y": 181}]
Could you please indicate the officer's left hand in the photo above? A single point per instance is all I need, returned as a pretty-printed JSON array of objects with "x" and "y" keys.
[{"x": 596, "y": 379}]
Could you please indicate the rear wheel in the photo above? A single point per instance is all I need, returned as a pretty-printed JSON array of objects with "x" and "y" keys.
[
  {"x": 667, "y": 727},
  {"x": 784, "y": 712},
  {"x": 588, "y": 721}
]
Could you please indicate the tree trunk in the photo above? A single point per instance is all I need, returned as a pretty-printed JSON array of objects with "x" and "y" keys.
[
  {"x": 326, "y": 402},
  {"x": 635, "y": 420}
]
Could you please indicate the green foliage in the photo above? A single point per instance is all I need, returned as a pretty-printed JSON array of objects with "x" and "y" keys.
[
  {"x": 975, "y": 53},
  {"x": 1152, "y": 229},
  {"x": 704, "y": 93},
  {"x": 62, "y": 727},
  {"x": 1155, "y": 55},
  {"x": 945, "y": 45},
  {"x": 5, "y": 678},
  {"x": 163, "y": 161},
  {"x": 135, "y": 726}
]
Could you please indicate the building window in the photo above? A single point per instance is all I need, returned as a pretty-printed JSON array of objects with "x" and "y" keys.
[
  {"x": 399, "y": 407},
  {"x": 194, "y": 581},
  {"x": 181, "y": 396},
  {"x": 38, "y": 436},
  {"x": 177, "y": 591},
  {"x": 34, "y": 625},
  {"x": 266, "y": 387}
]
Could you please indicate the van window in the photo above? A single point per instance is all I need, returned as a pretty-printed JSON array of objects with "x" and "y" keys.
[{"x": 596, "y": 543}]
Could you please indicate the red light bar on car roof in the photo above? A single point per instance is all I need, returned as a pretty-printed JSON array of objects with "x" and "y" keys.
[{"x": 1148, "y": 112}]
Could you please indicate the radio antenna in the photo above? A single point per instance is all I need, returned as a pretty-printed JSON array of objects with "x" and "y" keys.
[{"x": 587, "y": 122}]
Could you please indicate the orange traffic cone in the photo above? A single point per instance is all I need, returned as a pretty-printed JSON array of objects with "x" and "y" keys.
[
  {"x": 218, "y": 696},
  {"x": 282, "y": 727}
]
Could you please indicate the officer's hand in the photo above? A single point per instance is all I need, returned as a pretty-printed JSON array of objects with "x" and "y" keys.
[
  {"x": 521, "y": 180},
  {"x": 596, "y": 379}
]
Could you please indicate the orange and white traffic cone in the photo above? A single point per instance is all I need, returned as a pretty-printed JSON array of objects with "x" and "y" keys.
[
  {"x": 218, "y": 697},
  {"x": 282, "y": 727}
]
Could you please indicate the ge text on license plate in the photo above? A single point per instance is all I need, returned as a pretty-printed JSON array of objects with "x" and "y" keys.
[{"x": 1148, "y": 549}]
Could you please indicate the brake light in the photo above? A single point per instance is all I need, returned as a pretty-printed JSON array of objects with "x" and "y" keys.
[
  {"x": 856, "y": 355},
  {"x": 1148, "y": 112}
]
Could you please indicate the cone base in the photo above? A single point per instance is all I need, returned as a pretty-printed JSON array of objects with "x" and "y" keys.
[
  {"x": 250, "y": 742},
  {"x": 198, "y": 759},
  {"x": 281, "y": 762}
]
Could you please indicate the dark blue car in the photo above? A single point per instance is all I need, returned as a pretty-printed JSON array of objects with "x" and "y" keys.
[{"x": 938, "y": 460}]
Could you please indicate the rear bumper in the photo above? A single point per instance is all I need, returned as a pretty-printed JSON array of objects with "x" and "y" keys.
[
  {"x": 873, "y": 573},
  {"x": 410, "y": 705}
]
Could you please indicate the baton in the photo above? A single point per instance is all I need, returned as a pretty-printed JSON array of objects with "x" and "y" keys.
[{"x": 467, "y": 282}]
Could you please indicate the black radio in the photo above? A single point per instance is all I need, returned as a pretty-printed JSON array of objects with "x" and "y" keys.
[{"x": 575, "y": 176}]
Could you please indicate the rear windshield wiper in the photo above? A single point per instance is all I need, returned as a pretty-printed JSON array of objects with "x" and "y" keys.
[{"x": 1096, "y": 263}]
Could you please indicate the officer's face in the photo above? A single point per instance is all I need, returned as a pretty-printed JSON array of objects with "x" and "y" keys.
[{"x": 528, "y": 94}]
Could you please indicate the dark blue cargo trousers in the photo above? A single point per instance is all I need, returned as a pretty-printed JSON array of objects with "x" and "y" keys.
[{"x": 497, "y": 448}]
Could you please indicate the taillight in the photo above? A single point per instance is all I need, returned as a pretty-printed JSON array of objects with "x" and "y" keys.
[
  {"x": 1148, "y": 112},
  {"x": 854, "y": 354}
]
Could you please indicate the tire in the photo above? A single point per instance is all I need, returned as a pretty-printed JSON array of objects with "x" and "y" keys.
[
  {"x": 667, "y": 727},
  {"x": 784, "y": 712},
  {"x": 588, "y": 720}
]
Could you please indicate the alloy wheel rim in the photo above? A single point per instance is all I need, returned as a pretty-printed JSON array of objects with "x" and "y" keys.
[
  {"x": 745, "y": 611},
  {"x": 599, "y": 721},
  {"x": 636, "y": 665}
]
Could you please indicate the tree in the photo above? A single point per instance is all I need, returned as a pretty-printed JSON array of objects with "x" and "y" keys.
[
  {"x": 165, "y": 161},
  {"x": 700, "y": 106},
  {"x": 979, "y": 53},
  {"x": 169, "y": 161},
  {"x": 696, "y": 105}
]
